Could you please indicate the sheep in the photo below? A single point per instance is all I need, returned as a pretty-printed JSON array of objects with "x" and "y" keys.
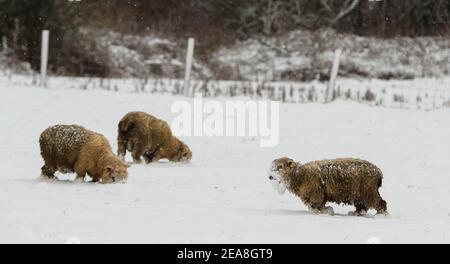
[{"x": 346, "y": 180}]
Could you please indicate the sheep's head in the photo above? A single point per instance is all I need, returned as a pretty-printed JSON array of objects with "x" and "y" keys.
[
  {"x": 180, "y": 152},
  {"x": 280, "y": 172},
  {"x": 115, "y": 171},
  {"x": 185, "y": 153}
]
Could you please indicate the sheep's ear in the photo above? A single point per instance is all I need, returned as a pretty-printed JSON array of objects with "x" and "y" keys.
[{"x": 291, "y": 163}]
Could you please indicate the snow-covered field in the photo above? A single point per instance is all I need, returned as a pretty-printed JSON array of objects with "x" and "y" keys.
[{"x": 224, "y": 194}]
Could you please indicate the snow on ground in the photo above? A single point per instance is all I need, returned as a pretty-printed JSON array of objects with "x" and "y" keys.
[
  {"x": 419, "y": 94},
  {"x": 224, "y": 194}
]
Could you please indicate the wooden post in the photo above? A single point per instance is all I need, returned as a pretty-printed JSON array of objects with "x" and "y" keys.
[
  {"x": 383, "y": 17},
  {"x": 4, "y": 43},
  {"x": 333, "y": 76},
  {"x": 189, "y": 57},
  {"x": 15, "y": 38},
  {"x": 44, "y": 57}
]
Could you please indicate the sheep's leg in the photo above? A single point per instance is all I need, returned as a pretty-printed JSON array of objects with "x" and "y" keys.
[
  {"x": 321, "y": 210},
  {"x": 80, "y": 170},
  {"x": 328, "y": 210},
  {"x": 122, "y": 148},
  {"x": 80, "y": 176},
  {"x": 316, "y": 204},
  {"x": 137, "y": 153},
  {"x": 381, "y": 207},
  {"x": 149, "y": 156},
  {"x": 378, "y": 203},
  {"x": 314, "y": 210},
  {"x": 361, "y": 209},
  {"x": 49, "y": 172},
  {"x": 95, "y": 178},
  {"x": 157, "y": 156}
]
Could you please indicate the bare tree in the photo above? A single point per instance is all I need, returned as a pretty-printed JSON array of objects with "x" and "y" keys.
[
  {"x": 338, "y": 11},
  {"x": 270, "y": 14},
  {"x": 263, "y": 16},
  {"x": 298, "y": 15}
]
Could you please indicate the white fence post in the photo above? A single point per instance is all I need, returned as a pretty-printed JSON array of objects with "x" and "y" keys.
[
  {"x": 187, "y": 74},
  {"x": 4, "y": 43},
  {"x": 333, "y": 76},
  {"x": 44, "y": 57}
]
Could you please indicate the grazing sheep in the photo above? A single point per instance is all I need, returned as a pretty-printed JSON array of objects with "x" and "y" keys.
[
  {"x": 72, "y": 148},
  {"x": 145, "y": 135},
  {"x": 348, "y": 181}
]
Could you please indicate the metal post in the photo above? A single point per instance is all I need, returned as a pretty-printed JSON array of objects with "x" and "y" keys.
[
  {"x": 189, "y": 57},
  {"x": 44, "y": 57},
  {"x": 333, "y": 76}
]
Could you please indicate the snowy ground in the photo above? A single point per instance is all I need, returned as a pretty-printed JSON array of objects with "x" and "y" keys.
[
  {"x": 223, "y": 195},
  {"x": 425, "y": 94}
]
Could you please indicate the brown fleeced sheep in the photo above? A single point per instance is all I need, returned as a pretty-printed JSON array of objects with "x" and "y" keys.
[
  {"x": 348, "y": 181},
  {"x": 147, "y": 136},
  {"x": 72, "y": 148}
]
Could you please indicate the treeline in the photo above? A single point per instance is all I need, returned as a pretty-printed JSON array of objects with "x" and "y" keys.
[{"x": 216, "y": 22}]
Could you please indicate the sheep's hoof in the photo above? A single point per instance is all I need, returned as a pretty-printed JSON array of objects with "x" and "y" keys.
[
  {"x": 358, "y": 213},
  {"x": 314, "y": 210},
  {"x": 79, "y": 180},
  {"x": 328, "y": 210},
  {"x": 382, "y": 214},
  {"x": 49, "y": 178}
]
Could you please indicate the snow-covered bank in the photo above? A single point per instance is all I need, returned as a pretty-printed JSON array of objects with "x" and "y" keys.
[
  {"x": 299, "y": 55},
  {"x": 223, "y": 195},
  {"x": 304, "y": 55}
]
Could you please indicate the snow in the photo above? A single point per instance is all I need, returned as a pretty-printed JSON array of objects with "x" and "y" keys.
[
  {"x": 301, "y": 54},
  {"x": 140, "y": 56},
  {"x": 224, "y": 194},
  {"x": 10, "y": 63},
  {"x": 423, "y": 94}
]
